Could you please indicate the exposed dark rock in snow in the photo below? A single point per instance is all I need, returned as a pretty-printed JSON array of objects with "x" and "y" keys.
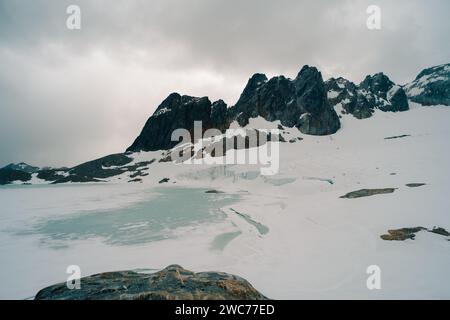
[
  {"x": 8, "y": 176},
  {"x": 94, "y": 170},
  {"x": 402, "y": 234},
  {"x": 397, "y": 137},
  {"x": 410, "y": 233},
  {"x": 305, "y": 102},
  {"x": 431, "y": 86},
  {"x": 440, "y": 231},
  {"x": 415, "y": 185},
  {"x": 213, "y": 191},
  {"x": 367, "y": 193},
  {"x": 165, "y": 180},
  {"x": 171, "y": 283},
  {"x": 51, "y": 174}
]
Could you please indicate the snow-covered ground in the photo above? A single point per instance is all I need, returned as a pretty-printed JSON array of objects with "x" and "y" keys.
[{"x": 290, "y": 235}]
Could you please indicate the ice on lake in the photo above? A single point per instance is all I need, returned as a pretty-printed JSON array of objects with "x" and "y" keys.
[{"x": 101, "y": 227}]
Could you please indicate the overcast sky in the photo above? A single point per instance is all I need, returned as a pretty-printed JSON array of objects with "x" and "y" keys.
[{"x": 68, "y": 96}]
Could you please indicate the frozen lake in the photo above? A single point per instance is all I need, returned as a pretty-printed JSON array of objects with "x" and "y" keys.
[{"x": 46, "y": 228}]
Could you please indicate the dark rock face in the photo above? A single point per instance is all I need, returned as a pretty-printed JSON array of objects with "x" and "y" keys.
[
  {"x": 177, "y": 112},
  {"x": 172, "y": 283},
  {"x": 8, "y": 176},
  {"x": 398, "y": 100},
  {"x": 346, "y": 95},
  {"x": 300, "y": 102},
  {"x": 379, "y": 84},
  {"x": 375, "y": 92},
  {"x": 431, "y": 86}
]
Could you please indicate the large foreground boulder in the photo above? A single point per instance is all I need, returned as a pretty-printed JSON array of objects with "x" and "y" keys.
[{"x": 171, "y": 283}]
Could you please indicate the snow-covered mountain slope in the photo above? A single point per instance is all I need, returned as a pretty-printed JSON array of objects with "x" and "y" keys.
[
  {"x": 306, "y": 103},
  {"x": 431, "y": 86},
  {"x": 22, "y": 167},
  {"x": 291, "y": 235}
]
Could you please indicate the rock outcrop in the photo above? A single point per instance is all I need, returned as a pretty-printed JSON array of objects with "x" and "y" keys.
[
  {"x": 301, "y": 102},
  {"x": 367, "y": 193},
  {"x": 431, "y": 86},
  {"x": 8, "y": 176},
  {"x": 410, "y": 233},
  {"x": 306, "y": 102},
  {"x": 171, "y": 283},
  {"x": 374, "y": 92},
  {"x": 179, "y": 112}
]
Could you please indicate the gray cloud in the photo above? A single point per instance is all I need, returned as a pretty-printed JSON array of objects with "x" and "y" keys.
[{"x": 69, "y": 96}]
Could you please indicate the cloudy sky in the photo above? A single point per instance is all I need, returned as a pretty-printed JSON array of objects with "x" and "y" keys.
[{"x": 67, "y": 96}]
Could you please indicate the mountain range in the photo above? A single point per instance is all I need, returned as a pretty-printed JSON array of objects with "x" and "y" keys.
[{"x": 308, "y": 103}]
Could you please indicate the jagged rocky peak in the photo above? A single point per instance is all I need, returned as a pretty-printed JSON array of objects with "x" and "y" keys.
[
  {"x": 300, "y": 102},
  {"x": 431, "y": 86},
  {"x": 175, "y": 112},
  {"x": 346, "y": 98},
  {"x": 374, "y": 92},
  {"x": 254, "y": 83},
  {"x": 379, "y": 84},
  {"x": 388, "y": 95}
]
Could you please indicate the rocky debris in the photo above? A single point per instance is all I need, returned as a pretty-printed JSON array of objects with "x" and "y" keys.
[
  {"x": 138, "y": 173},
  {"x": 213, "y": 191},
  {"x": 165, "y": 180},
  {"x": 367, "y": 193},
  {"x": 402, "y": 234},
  {"x": 135, "y": 180},
  {"x": 8, "y": 176},
  {"x": 330, "y": 181},
  {"x": 440, "y": 231},
  {"x": 397, "y": 137},
  {"x": 410, "y": 233},
  {"x": 166, "y": 158},
  {"x": 431, "y": 86},
  {"x": 171, "y": 283},
  {"x": 415, "y": 185}
]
